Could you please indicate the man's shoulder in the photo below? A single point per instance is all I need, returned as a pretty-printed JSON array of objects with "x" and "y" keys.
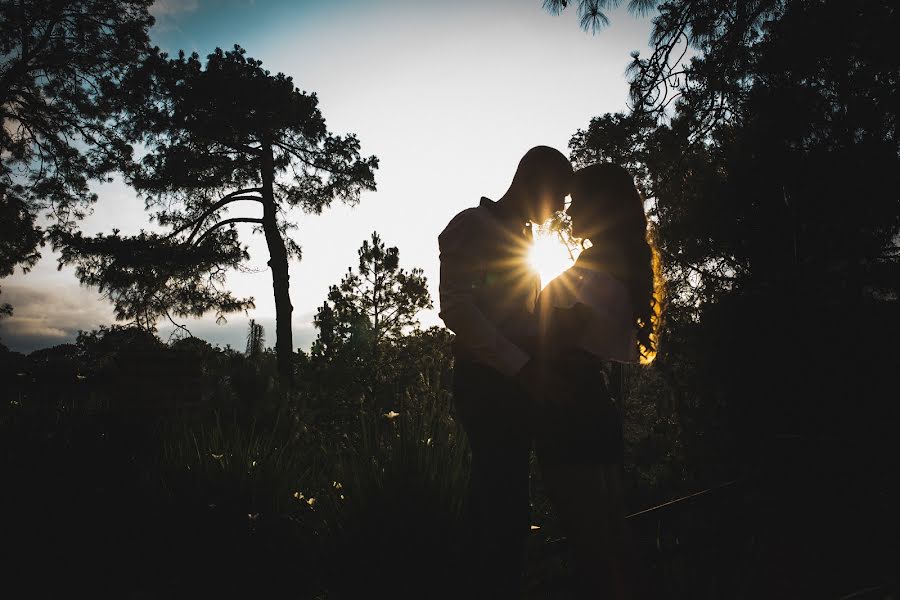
[{"x": 467, "y": 223}]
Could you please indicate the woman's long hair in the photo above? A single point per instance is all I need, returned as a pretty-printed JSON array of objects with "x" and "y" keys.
[{"x": 624, "y": 247}]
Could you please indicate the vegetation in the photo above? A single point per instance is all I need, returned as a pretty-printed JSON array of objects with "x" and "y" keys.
[
  {"x": 218, "y": 134},
  {"x": 62, "y": 62},
  {"x": 765, "y": 143}
]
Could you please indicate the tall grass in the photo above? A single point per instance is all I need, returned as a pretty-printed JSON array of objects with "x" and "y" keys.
[
  {"x": 380, "y": 496},
  {"x": 230, "y": 464},
  {"x": 397, "y": 499}
]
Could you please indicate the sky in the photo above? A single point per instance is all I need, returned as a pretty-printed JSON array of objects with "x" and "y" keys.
[{"x": 448, "y": 95}]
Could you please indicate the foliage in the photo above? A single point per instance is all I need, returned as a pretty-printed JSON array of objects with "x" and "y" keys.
[
  {"x": 364, "y": 318},
  {"x": 256, "y": 339},
  {"x": 236, "y": 464},
  {"x": 61, "y": 60},
  {"x": 61, "y": 65},
  {"x": 402, "y": 475},
  {"x": 217, "y": 134},
  {"x": 149, "y": 276},
  {"x": 590, "y": 12},
  {"x": 769, "y": 164},
  {"x": 382, "y": 297},
  {"x": 19, "y": 238}
]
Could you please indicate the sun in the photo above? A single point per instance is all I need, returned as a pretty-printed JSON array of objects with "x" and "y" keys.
[{"x": 549, "y": 255}]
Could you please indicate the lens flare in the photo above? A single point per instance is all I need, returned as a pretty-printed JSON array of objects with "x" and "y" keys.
[{"x": 549, "y": 256}]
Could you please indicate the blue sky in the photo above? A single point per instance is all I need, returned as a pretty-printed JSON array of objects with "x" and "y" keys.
[{"x": 448, "y": 95}]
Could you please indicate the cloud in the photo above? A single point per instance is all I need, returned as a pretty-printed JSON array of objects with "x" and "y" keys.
[
  {"x": 168, "y": 12},
  {"x": 50, "y": 315},
  {"x": 46, "y": 317},
  {"x": 234, "y": 332},
  {"x": 167, "y": 8}
]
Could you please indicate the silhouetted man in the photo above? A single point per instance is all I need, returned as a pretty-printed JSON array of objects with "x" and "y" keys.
[{"x": 487, "y": 297}]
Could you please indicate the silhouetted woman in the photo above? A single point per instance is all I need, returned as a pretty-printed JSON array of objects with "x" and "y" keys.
[{"x": 604, "y": 308}]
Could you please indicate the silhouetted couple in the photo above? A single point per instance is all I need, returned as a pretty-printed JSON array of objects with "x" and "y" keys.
[{"x": 529, "y": 365}]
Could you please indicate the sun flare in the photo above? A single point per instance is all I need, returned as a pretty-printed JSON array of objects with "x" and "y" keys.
[{"x": 549, "y": 256}]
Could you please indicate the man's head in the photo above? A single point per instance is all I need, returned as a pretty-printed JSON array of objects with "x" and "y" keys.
[{"x": 540, "y": 185}]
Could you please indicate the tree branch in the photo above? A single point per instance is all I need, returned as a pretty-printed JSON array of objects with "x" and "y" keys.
[
  {"x": 226, "y": 222},
  {"x": 303, "y": 155},
  {"x": 228, "y": 199}
]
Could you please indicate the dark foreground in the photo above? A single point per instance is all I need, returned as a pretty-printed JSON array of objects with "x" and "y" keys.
[{"x": 85, "y": 513}]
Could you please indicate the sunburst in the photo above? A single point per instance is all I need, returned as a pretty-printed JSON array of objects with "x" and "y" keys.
[{"x": 549, "y": 255}]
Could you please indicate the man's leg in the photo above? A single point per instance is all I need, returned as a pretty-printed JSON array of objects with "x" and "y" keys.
[
  {"x": 492, "y": 413},
  {"x": 587, "y": 500}
]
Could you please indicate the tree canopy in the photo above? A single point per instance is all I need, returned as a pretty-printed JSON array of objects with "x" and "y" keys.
[
  {"x": 61, "y": 64},
  {"x": 366, "y": 315},
  {"x": 376, "y": 304},
  {"x": 769, "y": 163},
  {"x": 218, "y": 134}
]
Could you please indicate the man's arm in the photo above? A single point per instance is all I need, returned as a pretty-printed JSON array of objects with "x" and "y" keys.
[{"x": 459, "y": 276}]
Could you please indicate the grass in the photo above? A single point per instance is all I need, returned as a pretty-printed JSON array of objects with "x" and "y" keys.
[{"x": 244, "y": 499}]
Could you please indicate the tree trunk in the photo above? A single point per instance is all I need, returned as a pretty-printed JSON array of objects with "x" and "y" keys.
[{"x": 284, "y": 346}]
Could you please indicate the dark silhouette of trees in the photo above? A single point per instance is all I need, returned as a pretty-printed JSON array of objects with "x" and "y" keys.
[
  {"x": 256, "y": 339},
  {"x": 19, "y": 238},
  {"x": 151, "y": 276},
  {"x": 718, "y": 31},
  {"x": 769, "y": 160},
  {"x": 387, "y": 297},
  {"x": 365, "y": 316},
  {"x": 224, "y": 133},
  {"x": 590, "y": 12},
  {"x": 61, "y": 63},
  {"x": 764, "y": 136}
]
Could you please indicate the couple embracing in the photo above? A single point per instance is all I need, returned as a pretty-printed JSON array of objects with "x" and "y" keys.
[{"x": 529, "y": 365}]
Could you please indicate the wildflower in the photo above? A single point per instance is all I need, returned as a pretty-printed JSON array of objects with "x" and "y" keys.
[
  {"x": 253, "y": 464},
  {"x": 390, "y": 416},
  {"x": 535, "y": 527},
  {"x": 428, "y": 442},
  {"x": 336, "y": 485},
  {"x": 217, "y": 456},
  {"x": 252, "y": 516},
  {"x": 299, "y": 496},
  {"x": 311, "y": 502}
]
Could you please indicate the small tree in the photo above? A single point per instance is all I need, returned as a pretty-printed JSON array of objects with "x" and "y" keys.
[
  {"x": 230, "y": 132},
  {"x": 370, "y": 309},
  {"x": 256, "y": 339}
]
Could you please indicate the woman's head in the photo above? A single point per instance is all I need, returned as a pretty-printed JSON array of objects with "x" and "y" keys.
[
  {"x": 605, "y": 204},
  {"x": 608, "y": 210}
]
